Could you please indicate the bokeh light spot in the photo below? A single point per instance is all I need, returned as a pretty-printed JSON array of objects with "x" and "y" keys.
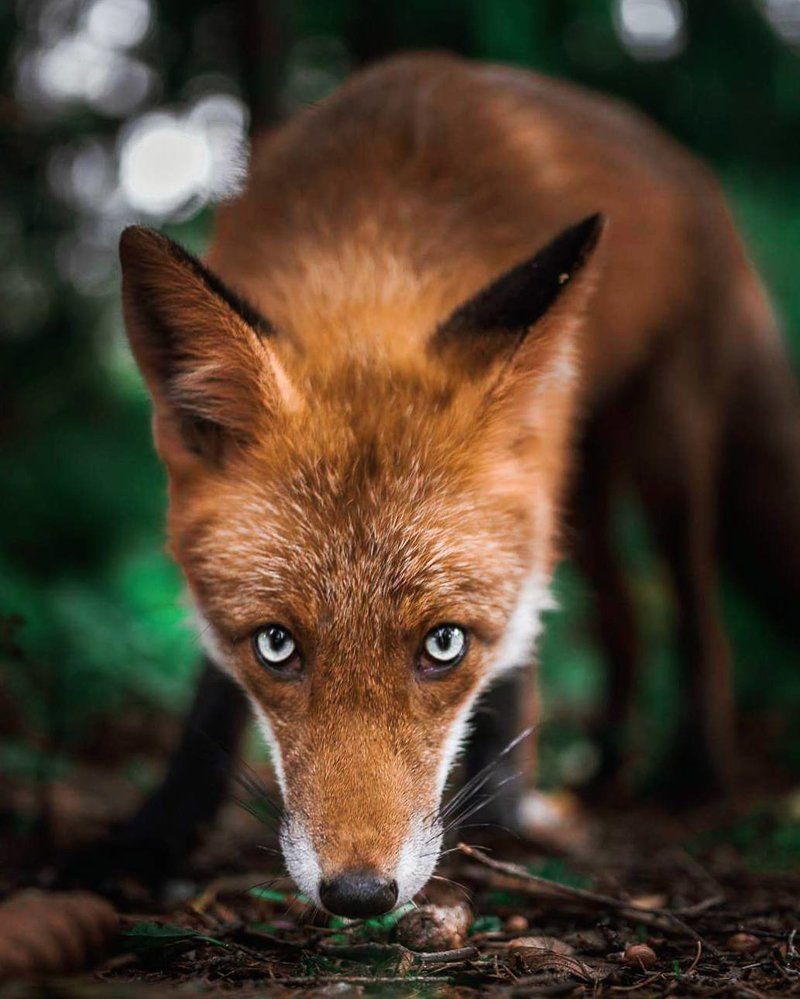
[
  {"x": 119, "y": 24},
  {"x": 784, "y": 16},
  {"x": 164, "y": 162},
  {"x": 651, "y": 29}
]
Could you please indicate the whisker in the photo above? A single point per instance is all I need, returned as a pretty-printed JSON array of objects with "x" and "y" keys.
[
  {"x": 481, "y": 778},
  {"x": 444, "y": 853},
  {"x": 249, "y": 781},
  {"x": 295, "y": 906},
  {"x": 456, "y": 884},
  {"x": 267, "y": 884},
  {"x": 268, "y": 812},
  {"x": 475, "y": 806},
  {"x": 489, "y": 825},
  {"x": 256, "y": 800}
]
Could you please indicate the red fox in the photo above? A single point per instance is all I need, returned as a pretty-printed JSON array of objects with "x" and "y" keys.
[{"x": 455, "y": 305}]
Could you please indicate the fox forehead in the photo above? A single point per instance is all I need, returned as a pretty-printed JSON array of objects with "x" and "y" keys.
[
  {"x": 327, "y": 516},
  {"x": 312, "y": 555}
]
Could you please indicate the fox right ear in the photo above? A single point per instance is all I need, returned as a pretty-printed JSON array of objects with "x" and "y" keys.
[
  {"x": 516, "y": 333},
  {"x": 206, "y": 356},
  {"x": 504, "y": 313}
]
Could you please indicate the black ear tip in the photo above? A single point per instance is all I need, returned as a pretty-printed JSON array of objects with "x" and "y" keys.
[
  {"x": 599, "y": 221},
  {"x": 573, "y": 247},
  {"x": 591, "y": 229}
]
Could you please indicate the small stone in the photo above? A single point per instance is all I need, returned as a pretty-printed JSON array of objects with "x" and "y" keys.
[
  {"x": 434, "y": 927},
  {"x": 742, "y": 943},
  {"x": 516, "y": 924},
  {"x": 639, "y": 956}
]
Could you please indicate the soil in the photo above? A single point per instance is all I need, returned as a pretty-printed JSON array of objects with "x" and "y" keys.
[{"x": 623, "y": 901}]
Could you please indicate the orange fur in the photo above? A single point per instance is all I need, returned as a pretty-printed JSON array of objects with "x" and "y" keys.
[{"x": 367, "y": 481}]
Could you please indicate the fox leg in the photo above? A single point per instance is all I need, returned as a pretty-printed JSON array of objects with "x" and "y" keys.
[
  {"x": 498, "y": 719},
  {"x": 198, "y": 776},
  {"x": 615, "y": 621},
  {"x": 154, "y": 845},
  {"x": 677, "y": 458}
]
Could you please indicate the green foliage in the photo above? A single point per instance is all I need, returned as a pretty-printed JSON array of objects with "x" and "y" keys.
[
  {"x": 382, "y": 926},
  {"x": 486, "y": 924},
  {"x": 766, "y": 839},
  {"x": 271, "y": 895},
  {"x": 556, "y": 869},
  {"x": 375, "y": 928},
  {"x": 146, "y": 937}
]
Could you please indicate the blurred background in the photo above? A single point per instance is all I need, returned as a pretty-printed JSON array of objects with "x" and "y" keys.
[{"x": 114, "y": 111}]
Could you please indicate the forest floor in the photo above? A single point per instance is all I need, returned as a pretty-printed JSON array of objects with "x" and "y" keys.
[{"x": 639, "y": 902}]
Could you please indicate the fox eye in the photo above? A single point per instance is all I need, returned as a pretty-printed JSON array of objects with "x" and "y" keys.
[
  {"x": 443, "y": 647},
  {"x": 276, "y": 650}
]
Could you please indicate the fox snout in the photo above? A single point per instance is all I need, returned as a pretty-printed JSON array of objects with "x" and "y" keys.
[
  {"x": 354, "y": 888},
  {"x": 362, "y": 844}
]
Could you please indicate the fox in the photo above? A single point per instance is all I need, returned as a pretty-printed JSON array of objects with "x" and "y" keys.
[{"x": 456, "y": 308}]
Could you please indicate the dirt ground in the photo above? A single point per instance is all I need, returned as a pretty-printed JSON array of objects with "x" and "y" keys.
[{"x": 625, "y": 901}]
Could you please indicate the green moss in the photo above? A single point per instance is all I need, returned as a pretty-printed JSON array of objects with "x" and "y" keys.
[{"x": 766, "y": 838}]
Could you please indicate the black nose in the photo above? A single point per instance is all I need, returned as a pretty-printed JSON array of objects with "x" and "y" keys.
[{"x": 358, "y": 894}]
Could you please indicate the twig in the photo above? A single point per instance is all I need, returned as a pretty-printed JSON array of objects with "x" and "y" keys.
[
  {"x": 642, "y": 983},
  {"x": 696, "y": 961},
  {"x": 278, "y": 943},
  {"x": 446, "y": 956},
  {"x": 518, "y": 873},
  {"x": 522, "y": 987},
  {"x": 700, "y": 907},
  {"x": 766, "y": 934},
  {"x": 317, "y": 980},
  {"x": 366, "y": 951},
  {"x": 233, "y": 884}
]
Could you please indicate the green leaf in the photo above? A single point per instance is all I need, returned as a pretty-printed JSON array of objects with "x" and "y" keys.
[
  {"x": 147, "y": 936},
  {"x": 273, "y": 895},
  {"x": 554, "y": 869},
  {"x": 263, "y": 927},
  {"x": 378, "y": 926},
  {"x": 381, "y": 925},
  {"x": 486, "y": 924},
  {"x": 269, "y": 895}
]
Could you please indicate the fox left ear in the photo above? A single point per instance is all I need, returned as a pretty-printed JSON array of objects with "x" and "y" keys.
[
  {"x": 207, "y": 357},
  {"x": 520, "y": 327}
]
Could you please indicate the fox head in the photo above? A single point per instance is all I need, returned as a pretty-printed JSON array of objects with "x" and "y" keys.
[{"x": 368, "y": 538}]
